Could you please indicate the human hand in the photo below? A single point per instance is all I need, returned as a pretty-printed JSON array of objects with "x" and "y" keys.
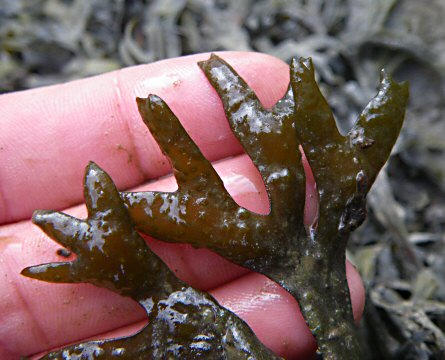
[{"x": 49, "y": 135}]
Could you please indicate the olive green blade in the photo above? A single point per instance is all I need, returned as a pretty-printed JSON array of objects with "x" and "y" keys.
[
  {"x": 110, "y": 253},
  {"x": 267, "y": 136},
  {"x": 378, "y": 126},
  {"x": 183, "y": 322}
]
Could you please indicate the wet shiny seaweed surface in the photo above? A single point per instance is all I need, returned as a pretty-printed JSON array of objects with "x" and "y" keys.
[
  {"x": 308, "y": 262},
  {"x": 182, "y": 322}
]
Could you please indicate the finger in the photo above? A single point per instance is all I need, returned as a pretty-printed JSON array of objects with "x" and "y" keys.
[
  {"x": 113, "y": 334},
  {"x": 61, "y": 128},
  {"x": 271, "y": 313},
  {"x": 37, "y": 305}
]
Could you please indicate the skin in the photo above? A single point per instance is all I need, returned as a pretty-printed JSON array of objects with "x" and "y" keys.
[{"x": 63, "y": 127}]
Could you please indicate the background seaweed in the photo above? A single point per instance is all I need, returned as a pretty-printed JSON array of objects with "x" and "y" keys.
[{"x": 401, "y": 248}]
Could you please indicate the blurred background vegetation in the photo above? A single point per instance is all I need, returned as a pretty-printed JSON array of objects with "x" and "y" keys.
[{"x": 400, "y": 251}]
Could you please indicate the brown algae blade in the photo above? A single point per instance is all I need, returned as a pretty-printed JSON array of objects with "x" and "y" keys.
[
  {"x": 182, "y": 322},
  {"x": 311, "y": 266}
]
